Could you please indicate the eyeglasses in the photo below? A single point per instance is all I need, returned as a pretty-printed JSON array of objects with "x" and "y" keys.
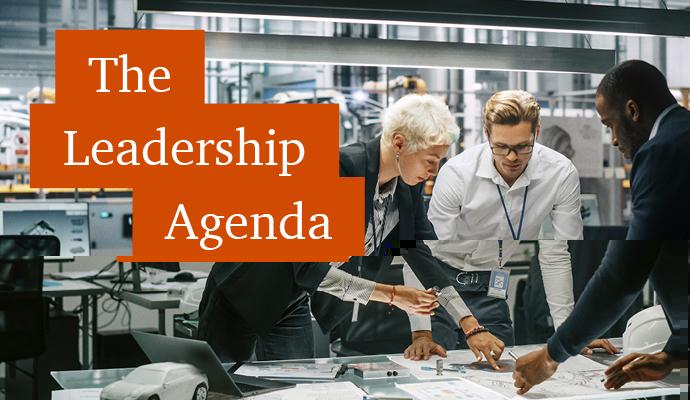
[{"x": 504, "y": 150}]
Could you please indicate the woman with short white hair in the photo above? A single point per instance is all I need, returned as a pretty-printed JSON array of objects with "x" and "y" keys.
[{"x": 416, "y": 134}]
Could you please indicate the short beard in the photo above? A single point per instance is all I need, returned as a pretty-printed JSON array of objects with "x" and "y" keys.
[{"x": 633, "y": 138}]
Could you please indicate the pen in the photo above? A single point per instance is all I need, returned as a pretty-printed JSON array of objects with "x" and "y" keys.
[
  {"x": 512, "y": 355},
  {"x": 618, "y": 372},
  {"x": 460, "y": 370}
]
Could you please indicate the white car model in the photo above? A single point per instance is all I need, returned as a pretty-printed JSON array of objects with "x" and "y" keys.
[{"x": 160, "y": 381}]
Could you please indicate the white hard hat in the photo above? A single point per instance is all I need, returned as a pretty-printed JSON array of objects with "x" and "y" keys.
[{"x": 646, "y": 332}]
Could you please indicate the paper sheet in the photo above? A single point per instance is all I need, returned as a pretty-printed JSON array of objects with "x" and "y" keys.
[
  {"x": 290, "y": 370},
  {"x": 76, "y": 394},
  {"x": 578, "y": 377},
  {"x": 454, "y": 357},
  {"x": 569, "y": 385},
  {"x": 316, "y": 391},
  {"x": 448, "y": 390},
  {"x": 580, "y": 363},
  {"x": 466, "y": 359}
]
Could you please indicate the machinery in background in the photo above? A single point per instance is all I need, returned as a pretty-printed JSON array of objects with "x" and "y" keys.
[
  {"x": 14, "y": 134},
  {"x": 14, "y": 145},
  {"x": 45, "y": 95},
  {"x": 400, "y": 85},
  {"x": 360, "y": 116}
]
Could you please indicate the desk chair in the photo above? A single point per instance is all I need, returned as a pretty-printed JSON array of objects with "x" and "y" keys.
[{"x": 23, "y": 309}]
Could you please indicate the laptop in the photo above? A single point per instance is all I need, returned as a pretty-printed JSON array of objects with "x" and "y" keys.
[{"x": 160, "y": 348}]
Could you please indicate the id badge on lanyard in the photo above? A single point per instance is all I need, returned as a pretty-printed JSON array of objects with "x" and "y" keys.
[{"x": 500, "y": 277}]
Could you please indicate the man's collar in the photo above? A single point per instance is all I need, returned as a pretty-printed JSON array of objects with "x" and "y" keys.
[
  {"x": 655, "y": 127},
  {"x": 486, "y": 168}
]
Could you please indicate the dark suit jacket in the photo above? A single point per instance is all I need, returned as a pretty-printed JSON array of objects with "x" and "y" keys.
[
  {"x": 623, "y": 272},
  {"x": 661, "y": 182},
  {"x": 362, "y": 160},
  {"x": 259, "y": 292}
]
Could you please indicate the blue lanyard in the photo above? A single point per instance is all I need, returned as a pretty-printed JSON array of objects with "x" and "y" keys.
[{"x": 510, "y": 224}]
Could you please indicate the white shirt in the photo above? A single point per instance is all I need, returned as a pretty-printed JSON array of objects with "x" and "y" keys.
[
  {"x": 466, "y": 205},
  {"x": 661, "y": 116},
  {"x": 482, "y": 255}
]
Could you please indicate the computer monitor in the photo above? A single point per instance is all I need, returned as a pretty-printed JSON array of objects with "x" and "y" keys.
[
  {"x": 68, "y": 221},
  {"x": 110, "y": 223}
]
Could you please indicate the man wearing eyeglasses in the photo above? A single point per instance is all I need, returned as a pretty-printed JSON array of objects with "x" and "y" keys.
[
  {"x": 500, "y": 192},
  {"x": 507, "y": 187}
]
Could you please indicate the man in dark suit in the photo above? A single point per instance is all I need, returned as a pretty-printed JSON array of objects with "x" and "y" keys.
[
  {"x": 623, "y": 273},
  {"x": 650, "y": 128}
]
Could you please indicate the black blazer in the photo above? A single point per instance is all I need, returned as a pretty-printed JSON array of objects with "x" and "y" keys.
[
  {"x": 362, "y": 159},
  {"x": 259, "y": 292},
  {"x": 660, "y": 179}
]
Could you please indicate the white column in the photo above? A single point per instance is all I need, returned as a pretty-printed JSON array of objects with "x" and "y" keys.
[{"x": 473, "y": 134}]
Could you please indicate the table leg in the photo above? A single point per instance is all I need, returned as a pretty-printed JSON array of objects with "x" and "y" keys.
[
  {"x": 85, "y": 332},
  {"x": 161, "y": 322},
  {"x": 94, "y": 322}
]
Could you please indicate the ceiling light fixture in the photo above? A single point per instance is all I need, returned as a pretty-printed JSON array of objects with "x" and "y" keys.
[
  {"x": 487, "y": 14},
  {"x": 291, "y": 49}
]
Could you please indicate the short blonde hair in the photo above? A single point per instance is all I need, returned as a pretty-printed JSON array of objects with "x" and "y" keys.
[
  {"x": 510, "y": 107},
  {"x": 423, "y": 120}
]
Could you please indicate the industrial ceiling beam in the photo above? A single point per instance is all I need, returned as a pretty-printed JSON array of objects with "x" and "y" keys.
[
  {"x": 27, "y": 62},
  {"x": 403, "y": 53},
  {"x": 496, "y": 14}
]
